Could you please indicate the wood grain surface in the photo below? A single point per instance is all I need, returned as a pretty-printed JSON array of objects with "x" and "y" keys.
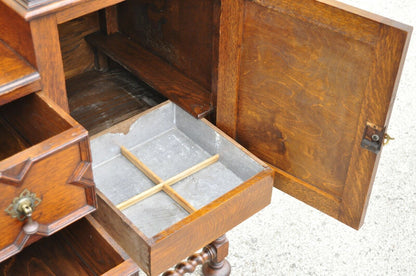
[
  {"x": 134, "y": 242},
  {"x": 98, "y": 100},
  {"x": 156, "y": 254},
  {"x": 51, "y": 159},
  {"x": 17, "y": 76},
  {"x": 154, "y": 71},
  {"x": 20, "y": 40},
  {"x": 10, "y": 141},
  {"x": 77, "y": 55},
  {"x": 179, "y": 31},
  {"x": 13, "y": 68},
  {"x": 210, "y": 222},
  {"x": 311, "y": 75},
  {"x": 81, "y": 249},
  {"x": 49, "y": 59},
  {"x": 229, "y": 55}
]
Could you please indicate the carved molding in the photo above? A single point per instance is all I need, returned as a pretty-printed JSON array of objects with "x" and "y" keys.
[
  {"x": 16, "y": 174},
  {"x": 83, "y": 177}
]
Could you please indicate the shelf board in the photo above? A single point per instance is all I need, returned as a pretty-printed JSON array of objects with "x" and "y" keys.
[
  {"x": 154, "y": 71},
  {"x": 17, "y": 77}
]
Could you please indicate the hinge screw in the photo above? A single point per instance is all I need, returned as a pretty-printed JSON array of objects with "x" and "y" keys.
[{"x": 375, "y": 138}]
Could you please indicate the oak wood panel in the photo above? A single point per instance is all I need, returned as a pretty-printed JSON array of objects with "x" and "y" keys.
[
  {"x": 83, "y": 248},
  {"x": 210, "y": 222},
  {"x": 46, "y": 257},
  {"x": 215, "y": 60},
  {"x": 15, "y": 72},
  {"x": 179, "y": 31},
  {"x": 49, "y": 59},
  {"x": 306, "y": 192},
  {"x": 128, "y": 267},
  {"x": 229, "y": 54},
  {"x": 17, "y": 76},
  {"x": 98, "y": 100},
  {"x": 10, "y": 141},
  {"x": 305, "y": 93},
  {"x": 109, "y": 20},
  {"x": 123, "y": 232},
  {"x": 91, "y": 247},
  {"x": 51, "y": 164},
  {"x": 155, "y": 72},
  {"x": 20, "y": 40},
  {"x": 77, "y": 55},
  {"x": 295, "y": 109},
  {"x": 33, "y": 119},
  {"x": 389, "y": 57},
  {"x": 21, "y": 89},
  {"x": 50, "y": 187}
]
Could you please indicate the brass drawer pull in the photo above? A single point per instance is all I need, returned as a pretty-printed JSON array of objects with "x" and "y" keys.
[{"x": 22, "y": 208}]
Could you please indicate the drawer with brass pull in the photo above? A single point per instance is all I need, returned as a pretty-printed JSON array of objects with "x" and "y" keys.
[{"x": 45, "y": 174}]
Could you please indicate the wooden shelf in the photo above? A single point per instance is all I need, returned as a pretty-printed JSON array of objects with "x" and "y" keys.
[
  {"x": 17, "y": 78},
  {"x": 154, "y": 71}
]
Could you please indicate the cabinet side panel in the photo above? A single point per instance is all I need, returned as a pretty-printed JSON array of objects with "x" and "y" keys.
[{"x": 15, "y": 31}]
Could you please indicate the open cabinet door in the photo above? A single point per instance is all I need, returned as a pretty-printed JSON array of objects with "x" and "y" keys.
[{"x": 308, "y": 87}]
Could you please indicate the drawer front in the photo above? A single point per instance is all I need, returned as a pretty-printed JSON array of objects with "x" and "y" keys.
[
  {"x": 157, "y": 254},
  {"x": 54, "y": 176}
]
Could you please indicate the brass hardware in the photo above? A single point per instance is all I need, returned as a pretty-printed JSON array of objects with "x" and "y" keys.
[
  {"x": 23, "y": 205},
  {"x": 22, "y": 208},
  {"x": 387, "y": 139}
]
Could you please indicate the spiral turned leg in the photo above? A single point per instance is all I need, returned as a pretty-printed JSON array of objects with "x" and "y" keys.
[
  {"x": 212, "y": 257},
  {"x": 218, "y": 266}
]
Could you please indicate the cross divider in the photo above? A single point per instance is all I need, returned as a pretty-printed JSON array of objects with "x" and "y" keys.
[{"x": 160, "y": 184}]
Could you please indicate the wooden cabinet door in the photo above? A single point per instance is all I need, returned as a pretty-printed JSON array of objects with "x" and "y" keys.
[{"x": 308, "y": 87}]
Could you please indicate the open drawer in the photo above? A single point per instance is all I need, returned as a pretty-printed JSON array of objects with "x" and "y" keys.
[
  {"x": 170, "y": 207},
  {"x": 45, "y": 172},
  {"x": 83, "y": 248}
]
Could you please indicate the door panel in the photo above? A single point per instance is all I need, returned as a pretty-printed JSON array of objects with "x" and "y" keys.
[{"x": 311, "y": 75}]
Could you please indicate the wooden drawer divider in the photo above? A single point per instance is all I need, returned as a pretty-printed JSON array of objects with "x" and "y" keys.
[{"x": 162, "y": 185}]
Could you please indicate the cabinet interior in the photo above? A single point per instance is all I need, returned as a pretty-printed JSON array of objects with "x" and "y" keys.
[
  {"x": 79, "y": 249},
  {"x": 123, "y": 60},
  {"x": 26, "y": 122}
]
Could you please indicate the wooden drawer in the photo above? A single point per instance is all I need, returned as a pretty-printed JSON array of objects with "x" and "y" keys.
[
  {"x": 159, "y": 231},
  {"x": 84, "y": 248},
  {"x": 43, "y": 153}
]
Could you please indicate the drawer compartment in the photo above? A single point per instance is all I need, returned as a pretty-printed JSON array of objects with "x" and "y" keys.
[
  {"x": 160, "y": 226},
  {"x": 43, "y": 153},
  {"x": 83, "y": 248}
]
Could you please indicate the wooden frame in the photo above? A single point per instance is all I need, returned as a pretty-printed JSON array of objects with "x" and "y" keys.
[
  {"x": 155, "y": 254},
  {"x": 339, "y": 188},
  {"x": 34, "y": 169}
]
